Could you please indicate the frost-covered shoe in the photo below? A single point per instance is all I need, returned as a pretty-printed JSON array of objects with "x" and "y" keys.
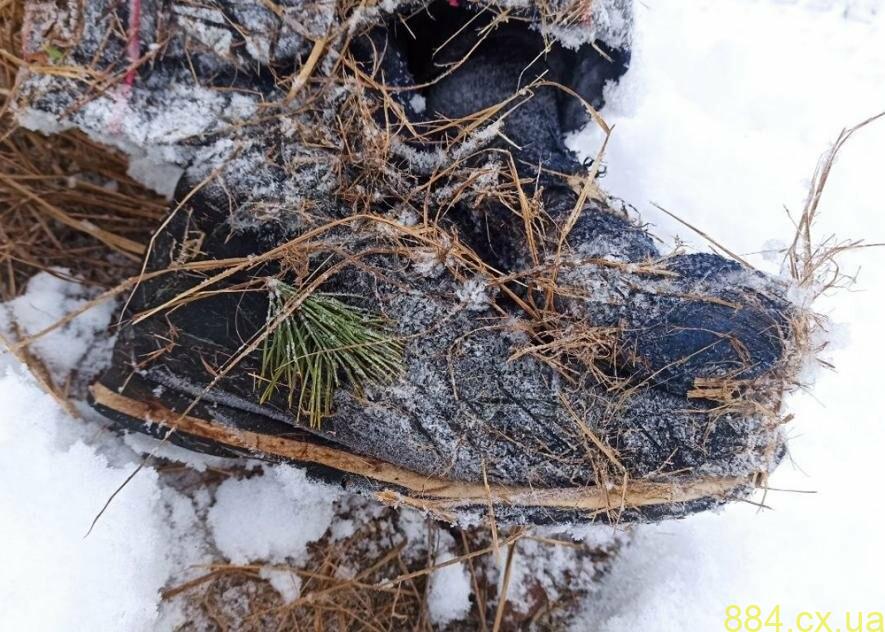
[
  {"x": 448, "y": 420},
  {"x": 683, "y": 322},
  {"x": 319, "y": 293}
]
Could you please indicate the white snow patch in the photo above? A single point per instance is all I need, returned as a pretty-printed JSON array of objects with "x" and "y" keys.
[
  {"x": 157, "y": 176},
  {"x": 53, "y": 485},
  {"x": 47, "y": 299},
  {"x": 473, "y": 294},
  {"x": 284, "y": 581},
  {"x": 418, "y": 103},
  {"x": 273, "y": 517},
  {"x": 448, "y": 598}
]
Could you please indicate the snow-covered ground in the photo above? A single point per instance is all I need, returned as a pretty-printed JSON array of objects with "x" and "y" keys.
[{"x": 720, "y": 120}]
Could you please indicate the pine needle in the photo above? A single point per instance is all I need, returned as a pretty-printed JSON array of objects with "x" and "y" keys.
[{"x": 323, "y": 344}]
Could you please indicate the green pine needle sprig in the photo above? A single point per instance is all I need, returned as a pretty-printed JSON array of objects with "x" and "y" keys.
[{"x": 321, "y": 345}]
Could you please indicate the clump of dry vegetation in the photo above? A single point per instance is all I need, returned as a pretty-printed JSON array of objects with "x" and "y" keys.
[{"x": 65, "y": 201}]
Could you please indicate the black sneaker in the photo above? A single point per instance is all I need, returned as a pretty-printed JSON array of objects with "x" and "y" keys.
[{"x": 368, "y": 278}]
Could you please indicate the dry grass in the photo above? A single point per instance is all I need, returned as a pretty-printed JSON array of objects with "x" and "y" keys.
[
  {"x": 812, "y": 263},
  {"x": 65, "y": 201}
]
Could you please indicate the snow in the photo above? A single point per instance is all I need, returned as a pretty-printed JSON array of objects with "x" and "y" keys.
[
  {"x": 48, "y": 298},
  {"x": 448, "y": 597},
  {"x": 551, "y": 568},
  {"x": 720, "y": 120},
  {"x": 418, "y": 103},
  {"x": 270, "y": 517},
  {"x": 729, "y": 132},
  {"x": 606, "y": 20},
  {"x": 284, "y": 581},
  {"x": 56, "y": 473},
  {"x": 473, "y": 294},
  {"x": 53, "y": 485},
  {"x": 199, "y": 22}
]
